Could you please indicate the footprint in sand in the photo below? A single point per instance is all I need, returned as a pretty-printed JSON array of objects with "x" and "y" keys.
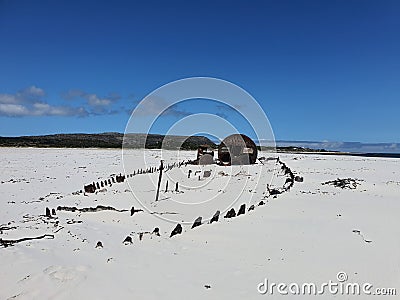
[
  {"x": 358, "y": 232},
  {"x": 64, "y": 274}
]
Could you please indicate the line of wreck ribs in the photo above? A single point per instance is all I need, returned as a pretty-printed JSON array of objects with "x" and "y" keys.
[
  {"x": 92, "y": 187},
  {"x": 178, "y": 229},
  {"x": 90, "y": 209},
  {"x": 8, "y": 243}
]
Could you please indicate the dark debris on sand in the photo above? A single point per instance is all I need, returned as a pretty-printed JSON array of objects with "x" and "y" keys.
[{"x": 345, "y": 183}]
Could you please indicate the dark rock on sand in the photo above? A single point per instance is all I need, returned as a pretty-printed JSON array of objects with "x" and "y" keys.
[{"x": 298, "y": 179}]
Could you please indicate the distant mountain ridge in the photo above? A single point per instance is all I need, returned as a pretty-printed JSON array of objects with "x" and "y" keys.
[
  {"x": 352, "y": 147},
  {"x": 107, "y": 140},
  {"x": 346, "y": 147},
  {"x": 155, "y": 141}
]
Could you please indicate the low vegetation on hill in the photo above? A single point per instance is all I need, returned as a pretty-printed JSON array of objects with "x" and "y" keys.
[{"x": 107, "y": 140}]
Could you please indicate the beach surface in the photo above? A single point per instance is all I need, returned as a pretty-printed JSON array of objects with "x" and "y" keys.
[{"x": 308, "y": 233}]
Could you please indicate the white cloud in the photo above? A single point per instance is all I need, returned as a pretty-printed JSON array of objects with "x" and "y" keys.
[
  {"x": 8, "y": 99},
  {"x": 13, "y": 110},
  {"x": 71, "y": 94},
  {"x": 44, "y": 109},
  {"x": 152, "y": 105},
  {"x": 40, "y": 109},
  {"x": 93, "y": 100},
  {"x": 29, "y": 94},
  {"x": 96, "y": 105},
  {"x": 33, "y": 91},
  {"x": 28, "y": 102}
]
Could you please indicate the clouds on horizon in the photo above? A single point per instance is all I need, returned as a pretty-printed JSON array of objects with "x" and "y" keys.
[
  {"x": 97, "y": 105},
  {"x": 356, "y": 147},
  {"x": 31, "y": 93},
  {"x": 152, "y": 107},
  {"x": 30, "y": 102}
]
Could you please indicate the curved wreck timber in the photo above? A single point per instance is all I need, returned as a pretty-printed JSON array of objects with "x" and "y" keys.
[
  {"x": 215, "y": 217},
  {"x": 7, "y": 243},
  {"x": 197, "y": 222},
  {"x": 177, "y": 230},
  {"x": 95, "y": 186},
  {"x": 230, "y": 214},
  {"x": 90, "y": 188},
  {"x": 242, "y": 210},
  {"x": 128, "y": 240},
  {"x": 289, "y": 181},
  {"x": 48, "y": 214},
  {"x": 120, "y": 178},
  {"x": 156, "y": 231},
  {"x": 89, "y": 209}
]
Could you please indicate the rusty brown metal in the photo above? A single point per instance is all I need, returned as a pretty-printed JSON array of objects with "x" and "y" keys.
[
  {"x": 237, "y": 149},
  {"x": 205, "y": 155}
]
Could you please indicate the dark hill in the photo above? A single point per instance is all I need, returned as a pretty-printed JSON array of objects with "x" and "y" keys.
[{"x": 107, "y": 140}]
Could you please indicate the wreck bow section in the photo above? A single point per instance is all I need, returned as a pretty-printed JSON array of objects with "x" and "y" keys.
[{"x": 237, "y": 149}]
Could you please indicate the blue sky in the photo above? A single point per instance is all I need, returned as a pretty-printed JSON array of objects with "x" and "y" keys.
[{"x": 321, "y": 70}]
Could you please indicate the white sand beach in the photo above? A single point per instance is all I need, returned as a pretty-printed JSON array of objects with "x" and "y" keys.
[{"x": 306, "y": 234}]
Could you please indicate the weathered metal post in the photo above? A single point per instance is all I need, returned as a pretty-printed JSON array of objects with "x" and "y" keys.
[{"x": 159, "y": 179}]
